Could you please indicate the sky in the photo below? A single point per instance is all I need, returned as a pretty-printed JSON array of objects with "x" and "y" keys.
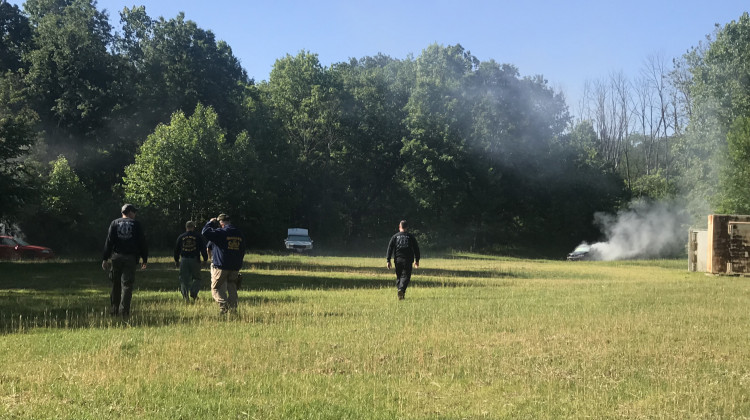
[{"x": 569, "y": 42}]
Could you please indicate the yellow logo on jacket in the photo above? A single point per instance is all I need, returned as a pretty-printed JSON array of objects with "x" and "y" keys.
[
  {"x": 234, "y": 242},
  {"x": 189, "y": 245}
]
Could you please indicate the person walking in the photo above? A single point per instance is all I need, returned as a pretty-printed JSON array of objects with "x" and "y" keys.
[
  {"x": 125, "y": 245},
  {"x": 228, "y": 252},
  {"x": 188, "y": 250},
  {"x": 404, "y": 250}
]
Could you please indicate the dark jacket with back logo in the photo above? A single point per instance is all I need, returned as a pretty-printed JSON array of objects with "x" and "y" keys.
[
  {"x": 190, "y": 245},
  {"x": 403, "y": 247},
  {"x": 126, "y": 237}
]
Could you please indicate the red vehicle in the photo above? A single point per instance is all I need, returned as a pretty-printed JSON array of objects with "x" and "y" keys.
[{"x": 15, "y": 249}]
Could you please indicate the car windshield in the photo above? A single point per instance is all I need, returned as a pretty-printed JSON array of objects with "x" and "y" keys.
[
  {"x": 298, "y": 238},
  {"x": 582, "y": 248},
  {"x": 21, "y": 242},
  {"x": 7, "y": 242}
]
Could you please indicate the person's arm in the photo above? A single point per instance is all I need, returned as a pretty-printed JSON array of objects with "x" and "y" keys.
[
  {"x": 142, "y": 246},
  {"x": 177, "y": 249},
  {"x": 209, "y": 231},
  {"x": 108, "y": 244},
  {"x": 108, "y": 247},
  {"x": 389, "y": 252},
  {"x": 416, "y": 251},
  {"x": 202, "y": 247}
]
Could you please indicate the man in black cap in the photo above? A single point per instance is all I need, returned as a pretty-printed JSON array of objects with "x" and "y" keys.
[
  {"x": 404, "y": 249},
  {"x": 125, "y": 243},
  {"x": 187, "y": 256},
  {"x": 228, "y": 251}
]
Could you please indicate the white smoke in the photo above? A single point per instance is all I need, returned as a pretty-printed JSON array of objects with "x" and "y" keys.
[{"x": 644, "y": 230}]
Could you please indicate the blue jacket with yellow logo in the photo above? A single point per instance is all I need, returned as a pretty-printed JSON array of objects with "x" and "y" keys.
[{"x": 229, "y": 246}]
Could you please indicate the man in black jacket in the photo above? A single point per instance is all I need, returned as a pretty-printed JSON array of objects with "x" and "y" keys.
[
  {"x": 403, "y": 247},
  {"x": 125, "y": 243},
  {"x": 188, "y": 250}
]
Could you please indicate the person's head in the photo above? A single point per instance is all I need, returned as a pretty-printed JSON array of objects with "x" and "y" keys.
[
  {"x": 403, "y": 226},
  {"x": 190, "y": 225},
  {"x": 224, "y": 219},
  {"x": 129, "y": 211}
]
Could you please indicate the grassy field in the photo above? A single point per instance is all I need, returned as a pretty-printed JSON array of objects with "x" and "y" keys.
[{"x": 325, "y": 338}]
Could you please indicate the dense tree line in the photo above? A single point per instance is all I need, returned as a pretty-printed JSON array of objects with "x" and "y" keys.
[{"x": 161, "y": 114}]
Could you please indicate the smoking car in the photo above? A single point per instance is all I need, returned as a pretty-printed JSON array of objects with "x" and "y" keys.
[
  {"x": 582, "y": 252},
  {"x": 298, "y": 240},
  {"x": 15, "y": 249}
]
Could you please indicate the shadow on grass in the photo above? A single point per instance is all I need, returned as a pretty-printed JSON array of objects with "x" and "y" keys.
[
  {"x": 80, "y": 311},
  {"x": 69, "y": 276},
  {"x": 76, "y": 294},
  {"x": 330, "y": 268},
  {"x": 257, "y": 281}
]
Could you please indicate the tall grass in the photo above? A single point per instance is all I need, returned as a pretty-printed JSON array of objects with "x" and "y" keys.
[{"x": 326, "y": 338}]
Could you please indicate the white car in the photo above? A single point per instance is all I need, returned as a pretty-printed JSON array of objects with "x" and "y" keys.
[
  {"x": 298, "y": 240},
  {"x": 580, "y": 253}
]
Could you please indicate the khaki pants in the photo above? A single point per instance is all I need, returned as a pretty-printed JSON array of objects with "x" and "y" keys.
[{"x": 224, "y": 287}]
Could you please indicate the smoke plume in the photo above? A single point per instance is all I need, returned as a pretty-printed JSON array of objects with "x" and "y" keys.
[{"x": 644, "y": 230}]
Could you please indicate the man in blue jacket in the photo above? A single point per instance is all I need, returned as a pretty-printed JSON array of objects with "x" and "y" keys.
[{"x": 226, "y": 259}]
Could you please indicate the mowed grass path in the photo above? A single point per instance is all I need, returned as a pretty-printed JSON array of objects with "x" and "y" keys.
[{"x": 325, "y": 338}]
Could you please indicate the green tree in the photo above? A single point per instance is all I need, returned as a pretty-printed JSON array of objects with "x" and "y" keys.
[
  {"x": 373, "y": 96},
  {"x": 62, "y": 215},
  {"x": 188, "y": 170},
  {"x": 65, "y": 197},
  {"x": 17, "y": 135},
  {"x": 482, "y": 155},
  {"x": 720, "y": 94},
  {"x": 174, "y": 65},
  {"x": 15, "y": 36},
  {"x": 582, "y": 139},
  {"x": 654, "y": 186},
  {"x": 722, "y": 74},
  {"x": 435, "y": 170},
  {"x": 70, "y": 68},
  {"x": 735, "y": 188},
  {"x": 75, "y": 85},
  {"x": 307, "y": 104},
  {"x": 177, "y": 167},
  {"x": 276, "y": 166},
  {"x": 519, "y": 155}
]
